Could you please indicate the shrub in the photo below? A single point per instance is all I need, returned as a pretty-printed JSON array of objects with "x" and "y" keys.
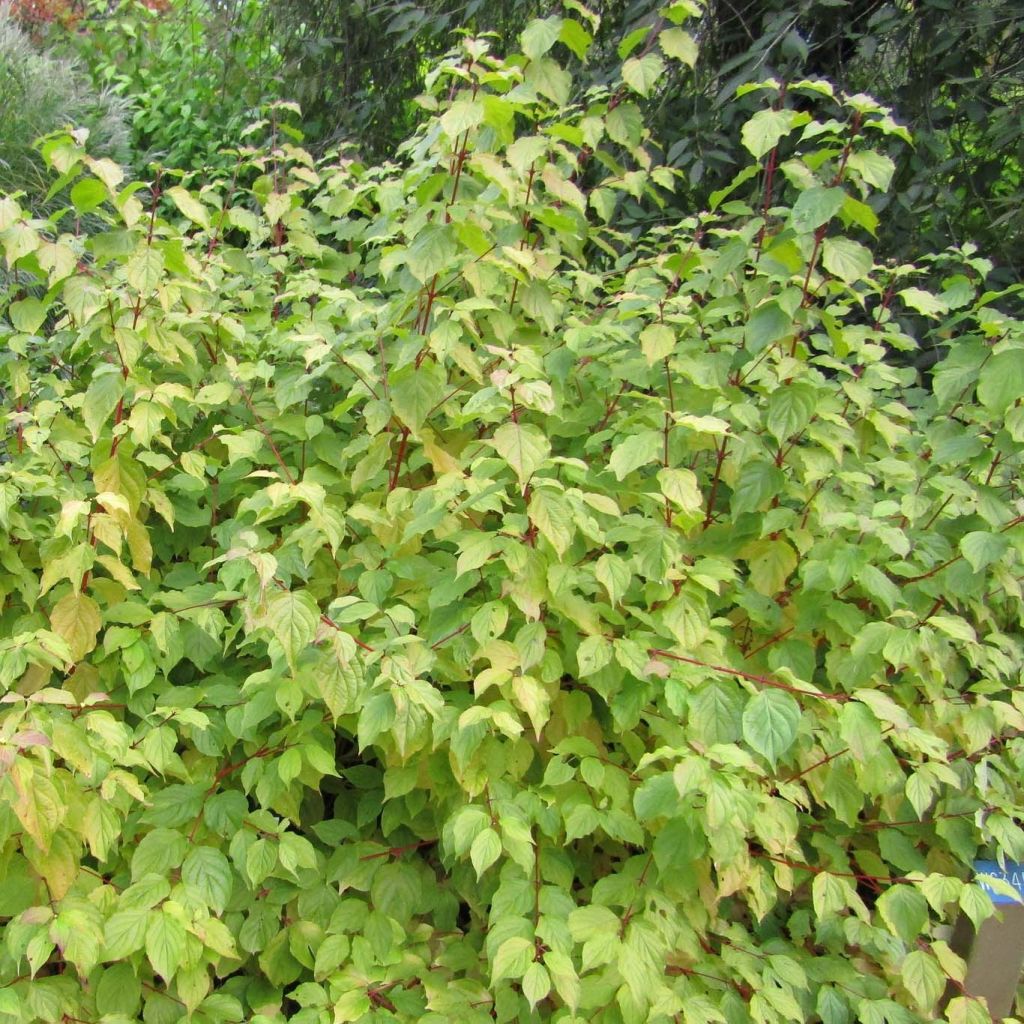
[
  {"x": 41, "y": 92},
  {"x": 425, "y": 601}
]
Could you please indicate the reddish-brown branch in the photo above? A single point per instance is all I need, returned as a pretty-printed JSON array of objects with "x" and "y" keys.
[
  {"x": 262, "y": 428},
  {"x": 450, "y": 636},
  {"x": 768, "y": 643},
  {"x": 397, "y": 851},
  {"x": 752, "y": 677},
  {"x": 815, "y": 869},
  {"x": 396, "y": 468},
  {"x": 611, "y": 407},
  {"x": 709, "y": 516}
]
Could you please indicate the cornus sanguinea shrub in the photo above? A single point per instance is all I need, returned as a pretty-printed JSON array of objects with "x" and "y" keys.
[{"x": 425, "y": 601}]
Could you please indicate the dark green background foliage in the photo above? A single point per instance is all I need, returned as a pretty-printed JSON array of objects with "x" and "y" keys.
[
  {"x": 466, "y": 588},
  {"x": 199, "y": 71}
]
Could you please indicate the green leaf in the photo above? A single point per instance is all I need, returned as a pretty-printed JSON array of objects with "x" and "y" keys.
[
  {"x": 430, "y": 252},
  {"x": 539, "y": 36},
  {"x": 848, "y": 260},
  {"x": 679, "y": 45},
  {"x": 758, "y": 482},
  {"x": 716, "y": 713},
  {"x": 763, "y": 132},
  {"x": 999, "y": 383},
  {"x": 815, "y": 207},
  {"x": 982, "y": 549},
  {"x": 830, "y": 895},
  {"x": 485, "y": 850},
  {"x": 904, "y": 911},
  {"x": 189, "y": 205},
  {"x": 592, "y": 921},
  {"x": 552, "y": 517},
  {"x": 657, "y": 341},
  {"x": 876, "y": 169},
  {"x": 614, "y": 575},
  {"x": 333, "y": 952},
  {"x": 88, "y": 194},
  {"x": 549, "y": 79},
  {"x": 260, "y": 860},
  {"x": 76, "y": 618},
  {"x": 536, "y": 984},
  {"x": 462, "y": 116},
  {"x": 681, "y": 487},
  {"x": 523, "y": 446},
  {"x": 923, "y": 978},
  {"x": 27, "y": 315},
  {"x": 208, "y": 872},
  {"x": 576, "y": 37},
  {"x": 338, "y": 676},
  {"x": 124, "y": 933},
  {"x": 771, "y": 562},
  {"x": 625, "y": 124},
  {"x": 511, "y": 960},
  {"x": 922, "y": 301},
  {"x": 593, "y": 653},
  {"x": 770, "y": 722},
  {"x": 293, "y": 617},
  {"x": 641, "y": 74},
  {"x": 415, "y": 392},
  {"x": 165, "y": 943},
  {"x": 790, "y": 408},
  {"x": 104, "y": 392},
  {"x": 634, "y": 451},
  {"x": 767, "y": 324},
  {"x": 145, "y": 269}
]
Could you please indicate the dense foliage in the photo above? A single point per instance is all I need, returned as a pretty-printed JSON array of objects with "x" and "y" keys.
[{"x": 425, "y": 600}]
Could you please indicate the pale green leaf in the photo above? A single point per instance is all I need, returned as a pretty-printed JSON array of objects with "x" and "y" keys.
[
  {"x": 165, "y": 943},
  {"x": 208, "y": 872},
  {"x": 511, "y": 960},
  {"x": 1001, "y": 381},
  {"x": 923, "y": 978},
  {"x": 770, "y": 722},
  {"x": 101, "y": 397},
  {"x": 679, "y": 45},
  {"x": 292, "y": 617},
  {"x": 523, "y": 446},
  {"x": 982, "y": 549},
  {"x": 145, "y": 269},
  {"x": 656, "y": 342},
  {"x": 790, "y": 408},
  {"x": 189, "y": 205},
  {"x": 634, "y": 451},
  {"x": 539, "y": 36},
  {"x": 763, "y": 132},
  {"x": 642, "y": 73},
  {"x": 415, "y": 391},
  {"x": 846, "y": 259},
  {"x": 485, "y": 850},
  {"x": 815, "y": 207}
]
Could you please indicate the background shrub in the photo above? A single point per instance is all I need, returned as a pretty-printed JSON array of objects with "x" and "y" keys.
[{"x": 41, "y": 92}]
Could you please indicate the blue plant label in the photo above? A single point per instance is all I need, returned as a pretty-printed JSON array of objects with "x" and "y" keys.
[{"x": 1012, "y": 874}]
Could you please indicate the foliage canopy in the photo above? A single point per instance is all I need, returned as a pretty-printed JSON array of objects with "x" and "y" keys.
[{"x": 425, "y": 600}]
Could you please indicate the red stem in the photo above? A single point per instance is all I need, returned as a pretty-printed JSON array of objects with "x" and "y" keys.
[{"x": 656, "y": 652}]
